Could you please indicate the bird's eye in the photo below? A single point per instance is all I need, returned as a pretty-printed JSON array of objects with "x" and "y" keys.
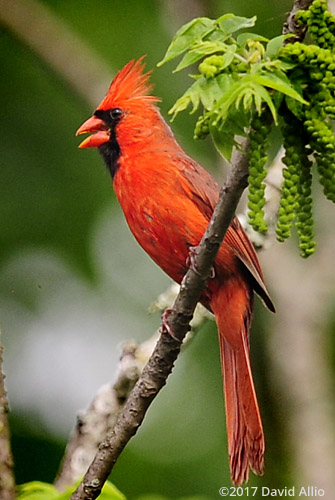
[{"x": 116, "y": 113}]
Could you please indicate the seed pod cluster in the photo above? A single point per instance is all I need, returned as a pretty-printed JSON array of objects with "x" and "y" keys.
[
  {"x": 211, "y": 66},
  {"x": 258, "y": 140},
  {"x": 201, "y": 129}
]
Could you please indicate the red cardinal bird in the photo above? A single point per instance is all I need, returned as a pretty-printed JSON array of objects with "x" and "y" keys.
[{"x": 168, "y": 199}]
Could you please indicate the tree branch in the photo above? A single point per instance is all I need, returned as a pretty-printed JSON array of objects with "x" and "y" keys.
[{"x": 7, "y": 484}]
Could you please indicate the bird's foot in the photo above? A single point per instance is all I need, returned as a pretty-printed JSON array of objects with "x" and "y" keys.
[
  {"x": 166, "y": 327},
  {"x": 191, "y": 263}
]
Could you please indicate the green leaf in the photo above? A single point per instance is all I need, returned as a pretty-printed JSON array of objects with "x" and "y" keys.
[
  {"x": 198, "y": 51},
  {"x": 229, "y": 55},
  {"x": 243, "y": 38},
  {"x": 284, "y": 65},
  {"x": 261, "y": 94},
  {"x": 236, "y": 93},
  {"x": 212, "y": 90},
  {"x": 186, "y": 36},
  {"x": 229, "y": 23},
  {"x": 236, "y": 89},
  {"x": 189, "y": 58},
  {"x": 37, "y": 490},
  {"x": 223, "y": 135},
  {"x": 279, "y": 81},
  {"x": 295, "y": 107},
  {"x": 208, "y": 92},
  {"x": 224, "y": 142},
  {"x": 110, "y": 492},
  {"x": 275, "y": 45},
  {"x": 191, "y": 96},
  {"x": 247, "y": 100}
]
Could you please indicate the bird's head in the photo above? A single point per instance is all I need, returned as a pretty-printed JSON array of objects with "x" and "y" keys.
[
  {"x": 125, "y": 116},
  {"x": 127, "y": 96}
]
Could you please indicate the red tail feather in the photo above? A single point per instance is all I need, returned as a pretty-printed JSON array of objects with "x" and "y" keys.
[{"x": 246, "y": 444}]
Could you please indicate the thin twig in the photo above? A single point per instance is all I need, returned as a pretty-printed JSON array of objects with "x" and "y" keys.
[
  {"x": 94, "y": 423},
  {"x": 7, "y": 483}
]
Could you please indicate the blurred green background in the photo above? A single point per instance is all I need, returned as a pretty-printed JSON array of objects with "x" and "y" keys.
[{"x": 74, "y": 284}]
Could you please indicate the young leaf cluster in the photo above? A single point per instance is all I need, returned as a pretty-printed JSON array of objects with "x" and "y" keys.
[
  {"x": 237, "y": 75},
  {"x": 245, "y": 84}
]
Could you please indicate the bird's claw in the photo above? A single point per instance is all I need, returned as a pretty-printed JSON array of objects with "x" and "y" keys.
[
  {"x": 166, "y": 327},
  {"x": 191, "y": 263}
]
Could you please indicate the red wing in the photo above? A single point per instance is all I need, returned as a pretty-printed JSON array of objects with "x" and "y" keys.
[
  {"x": 201, "y": 186},
  {"x": 244, "y": 250}
]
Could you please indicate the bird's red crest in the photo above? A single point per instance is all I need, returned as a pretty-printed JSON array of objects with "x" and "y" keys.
[{"x": 130, "y": 83}]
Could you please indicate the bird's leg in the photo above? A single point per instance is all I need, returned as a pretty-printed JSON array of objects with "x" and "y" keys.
[{"x": 190, "y": 262}]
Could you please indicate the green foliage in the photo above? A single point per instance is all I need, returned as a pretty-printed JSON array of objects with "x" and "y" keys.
[
  {"x": 236, "y": 78},
  {"x": 37, "y": 490},
  {"x": 247, "y": 83}
]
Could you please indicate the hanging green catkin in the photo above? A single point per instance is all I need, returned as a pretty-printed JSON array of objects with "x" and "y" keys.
[
  {"x": 296, "y": 199},
  {"x": 258, "y": 139},
  {"x": 322, "y": 141},
  {"x": 317, "y": 62},
  {"x": 289, "y": 195},
  {"x": 304, "y": 221}
]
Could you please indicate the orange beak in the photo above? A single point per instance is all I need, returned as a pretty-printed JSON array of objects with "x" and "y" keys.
[{"x": 99, "y": 130}]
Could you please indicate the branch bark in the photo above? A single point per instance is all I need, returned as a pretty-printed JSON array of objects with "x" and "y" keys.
[{"x": 7, "y": 483}]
